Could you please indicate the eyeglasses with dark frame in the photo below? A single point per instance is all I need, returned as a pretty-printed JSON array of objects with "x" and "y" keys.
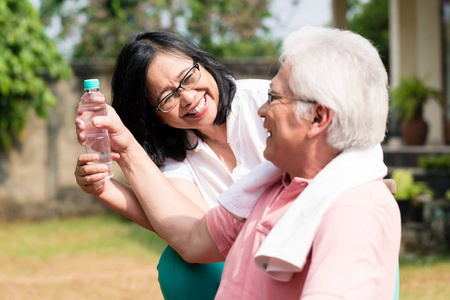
[
  {"x": 188, "y": 82},
  {"x": 273, "y": 96}
]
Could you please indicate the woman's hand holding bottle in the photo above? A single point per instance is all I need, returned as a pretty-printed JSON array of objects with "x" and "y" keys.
[{"x": 90, "y": 176}]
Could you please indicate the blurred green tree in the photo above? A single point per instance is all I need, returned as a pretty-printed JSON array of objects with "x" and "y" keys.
[
  {"x": 223, "y": 28},
  {"x": 27, "y": 56},
  {"x": 232, "y": 28},
  {"x": 371, "y": 20}
]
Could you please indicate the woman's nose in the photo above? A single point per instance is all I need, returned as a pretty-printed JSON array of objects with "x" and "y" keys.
[{"x": 187, "y": 97}]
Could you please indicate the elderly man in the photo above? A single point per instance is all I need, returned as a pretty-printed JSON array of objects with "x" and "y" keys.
[
  {"x": 329, "y": 228},
  {"x": 316, "y": 221}
]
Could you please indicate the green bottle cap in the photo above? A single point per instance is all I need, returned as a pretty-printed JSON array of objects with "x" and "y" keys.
[{"x": 91, "y": 84}]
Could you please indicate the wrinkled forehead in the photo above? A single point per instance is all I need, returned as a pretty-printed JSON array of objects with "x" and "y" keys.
[{"x": 280, "y": 84}]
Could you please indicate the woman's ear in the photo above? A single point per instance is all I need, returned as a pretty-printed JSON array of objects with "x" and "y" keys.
[{"x": 322, "y": 119}]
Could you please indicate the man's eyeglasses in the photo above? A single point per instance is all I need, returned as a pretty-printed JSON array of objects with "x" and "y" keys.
[
  {"x": 273, "y": 96},
  {"x": 187, "y": 83}
]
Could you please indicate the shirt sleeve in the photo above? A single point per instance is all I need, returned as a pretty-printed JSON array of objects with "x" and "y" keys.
[
  {"x": 223, "y": 228},
  {"x": 355, "y": 251}
]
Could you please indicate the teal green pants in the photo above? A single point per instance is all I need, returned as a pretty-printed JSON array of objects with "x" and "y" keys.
[
  {"x": 397, "y": 285},
  {"x": 180, "y": 280}
]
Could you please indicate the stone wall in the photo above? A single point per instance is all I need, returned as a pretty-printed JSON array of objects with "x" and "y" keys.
[{"x": 36, "y": 177}]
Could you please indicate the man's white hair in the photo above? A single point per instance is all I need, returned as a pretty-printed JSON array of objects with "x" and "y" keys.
[{"x": 343, "y": 71}]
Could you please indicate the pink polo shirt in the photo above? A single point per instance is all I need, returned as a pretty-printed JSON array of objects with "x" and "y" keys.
[{"x": 354, "y": 253}]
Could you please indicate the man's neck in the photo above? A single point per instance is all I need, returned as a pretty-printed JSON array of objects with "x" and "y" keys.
[{"x": 309, "y": 164}]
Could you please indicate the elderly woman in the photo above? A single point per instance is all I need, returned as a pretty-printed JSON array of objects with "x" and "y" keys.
[{"x": 198, "y": 125}]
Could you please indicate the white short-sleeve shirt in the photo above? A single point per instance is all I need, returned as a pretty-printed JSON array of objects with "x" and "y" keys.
[{"x": 247, "y": 139}]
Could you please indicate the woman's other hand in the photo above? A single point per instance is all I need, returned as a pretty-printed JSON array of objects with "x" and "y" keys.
[{"x": 91, "y": 177}]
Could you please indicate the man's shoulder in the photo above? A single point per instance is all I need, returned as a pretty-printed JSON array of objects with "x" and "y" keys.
[{"x": 372, "y": 197}]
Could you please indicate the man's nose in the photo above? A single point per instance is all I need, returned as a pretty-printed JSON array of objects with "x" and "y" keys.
[{"x": 262, "y": 109}]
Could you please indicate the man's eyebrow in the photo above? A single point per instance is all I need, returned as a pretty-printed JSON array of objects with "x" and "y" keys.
[{"x": 180, "y": 75}]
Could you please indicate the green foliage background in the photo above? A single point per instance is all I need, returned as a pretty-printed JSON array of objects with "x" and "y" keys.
[
  {"x": 224, "y": 28},
  {"x": 27, "y": 55},
  {"x": 371, "y": 20}
]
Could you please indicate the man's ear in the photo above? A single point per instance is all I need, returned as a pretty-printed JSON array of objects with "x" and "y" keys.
[{"x": 322, "y": 119}]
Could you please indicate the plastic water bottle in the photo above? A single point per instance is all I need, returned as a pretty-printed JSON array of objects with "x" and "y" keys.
[{"x": 93, "y": 105}]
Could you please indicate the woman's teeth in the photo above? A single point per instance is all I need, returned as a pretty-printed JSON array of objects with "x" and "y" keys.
[{"x": 199, "y": 107}]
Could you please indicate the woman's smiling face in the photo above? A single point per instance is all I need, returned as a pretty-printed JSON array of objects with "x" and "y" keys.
[{"x": 197, "y": 107}]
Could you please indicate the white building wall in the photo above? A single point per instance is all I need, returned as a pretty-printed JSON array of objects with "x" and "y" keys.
[{"x": 415, "y": 49}]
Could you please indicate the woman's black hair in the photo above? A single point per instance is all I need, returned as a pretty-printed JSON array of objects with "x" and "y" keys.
[{"x": 131, "y": 100}]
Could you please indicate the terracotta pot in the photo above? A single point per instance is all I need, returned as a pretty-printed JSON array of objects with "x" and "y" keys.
[{"x": 414, "y": 131}]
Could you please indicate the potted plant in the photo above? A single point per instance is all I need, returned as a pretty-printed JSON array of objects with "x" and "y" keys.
[
  {"x": 436, "y": 172},
  {"x": 435, "y": 162},
  {"x": 409, "y": 97},
  {"x": 410, "y": 194}
]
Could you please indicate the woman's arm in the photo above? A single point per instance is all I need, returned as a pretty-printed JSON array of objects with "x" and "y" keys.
[
  {"x": 176, "y": 218},
  {"x": 119, "y": 196},
  {"x": 116, "y": 195},
  {"x": 172, "y": 207}
]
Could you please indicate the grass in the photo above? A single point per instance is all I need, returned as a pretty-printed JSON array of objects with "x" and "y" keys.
[
  {"x": 425, "y": 277},
  {"x": 101, "y": 257},
  {"x": 106, "y": 257}
]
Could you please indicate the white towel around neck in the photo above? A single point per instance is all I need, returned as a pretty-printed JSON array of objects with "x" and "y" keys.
[{"x": 285, "y": 249}]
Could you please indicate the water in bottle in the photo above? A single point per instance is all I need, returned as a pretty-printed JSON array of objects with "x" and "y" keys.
[{"x": 97, "y": 140}]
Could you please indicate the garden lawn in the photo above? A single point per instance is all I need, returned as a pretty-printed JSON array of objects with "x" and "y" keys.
[
  {"x": 425, "y": 277},
  {"x": 103, "y": 257},
  {"x": 108, "y": 257}
]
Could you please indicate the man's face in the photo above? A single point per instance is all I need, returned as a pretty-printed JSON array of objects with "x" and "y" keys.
[{"x": 287, "y": 134}]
